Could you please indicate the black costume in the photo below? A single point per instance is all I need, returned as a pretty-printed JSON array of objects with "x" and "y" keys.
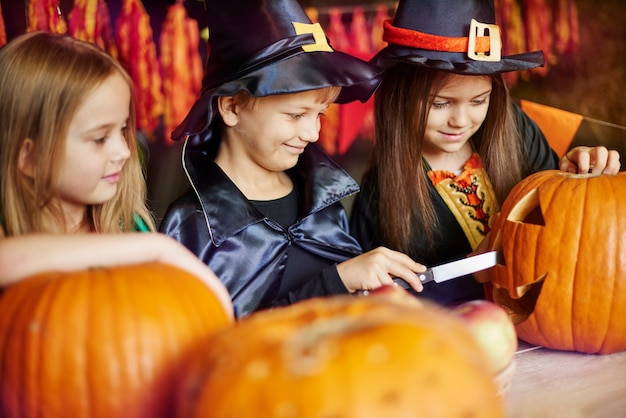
[{"x": 261, "y": 262}]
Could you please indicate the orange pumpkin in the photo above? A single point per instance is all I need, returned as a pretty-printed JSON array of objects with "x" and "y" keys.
[
  {"x": 104, "y": 342},
  {"x": 562, "y": 273},
  {"x": 374, "y": 356}
]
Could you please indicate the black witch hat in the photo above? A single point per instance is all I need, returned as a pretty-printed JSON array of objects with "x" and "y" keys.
[
  {"x": 267, "y": 48},
  {"x": 458, "y": 36}
]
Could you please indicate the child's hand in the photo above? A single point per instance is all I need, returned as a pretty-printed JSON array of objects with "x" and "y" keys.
[
  {"x": 172, "y": 252},
  {"x": 379, "y": 267},
  {"x": 595, "y": 160}
]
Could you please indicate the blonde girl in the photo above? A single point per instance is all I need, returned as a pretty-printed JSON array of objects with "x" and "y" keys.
[
  {"x": 71, "y": 172},
  {"x": 44, "y": 81}
]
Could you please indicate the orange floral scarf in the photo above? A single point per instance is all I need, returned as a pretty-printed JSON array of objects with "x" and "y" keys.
[{"x": 469, "y": 196}]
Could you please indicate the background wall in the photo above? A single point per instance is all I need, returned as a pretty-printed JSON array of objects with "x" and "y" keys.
[{"x": 592, "y": 82}]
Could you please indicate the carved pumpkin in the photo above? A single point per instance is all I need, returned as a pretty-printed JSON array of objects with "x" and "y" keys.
[
  {"x": 562, "y": 261},
  {"x": 374, "y": 356},
  {"x": 104, "y": 342}
]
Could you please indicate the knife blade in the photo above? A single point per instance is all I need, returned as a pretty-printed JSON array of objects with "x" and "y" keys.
[
  {"x": 458, "y": 268},
  {"x": 451, "y": 270}
]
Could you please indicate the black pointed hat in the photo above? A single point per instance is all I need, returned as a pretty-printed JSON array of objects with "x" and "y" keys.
[
  {"x": 267, "y": 48},
  {"x": 459, "y": 36}
]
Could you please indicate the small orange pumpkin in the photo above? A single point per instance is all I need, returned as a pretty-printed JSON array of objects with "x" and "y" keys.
[
  {"x": 103, "y": 342},
  {"x": 374, "y": 356},
  {"x": 561, "y": 239}
]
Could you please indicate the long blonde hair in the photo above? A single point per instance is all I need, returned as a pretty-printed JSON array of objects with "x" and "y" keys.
[
  {"x": 401, "y": 195},
  {"x": 44, "y": 79}
]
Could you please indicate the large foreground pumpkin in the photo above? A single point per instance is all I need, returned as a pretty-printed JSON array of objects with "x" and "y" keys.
[
  {"x": 562, "y": 272},
  {"x": 100, "y": 343},
  {"x": 342, "y": 357}
]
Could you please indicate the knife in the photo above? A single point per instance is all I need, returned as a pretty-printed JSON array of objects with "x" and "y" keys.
[
  {"x": 458, "y": 268},
  {"x": 451, "y": 270}
]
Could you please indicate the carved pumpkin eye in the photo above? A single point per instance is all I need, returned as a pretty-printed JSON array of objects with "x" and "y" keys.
[{"x": 528, "y": 210}]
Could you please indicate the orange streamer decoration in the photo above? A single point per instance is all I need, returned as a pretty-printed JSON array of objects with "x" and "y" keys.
[
  {"x": 356, "y": 118},
  {"x": 382, "y": 14},
  {"x": 90, "y": 21},
  {"x": 509, "y": 17},
  {"x": 538, "y": 21},
  {"x": 45, "y": 15},
  {"x": 566, "y": 30},
  {"x": 181, "y": 66},
  {"x": 137, "y": 52}
]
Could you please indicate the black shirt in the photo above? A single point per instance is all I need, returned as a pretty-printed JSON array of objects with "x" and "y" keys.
[{"x": 300, "y": 263}]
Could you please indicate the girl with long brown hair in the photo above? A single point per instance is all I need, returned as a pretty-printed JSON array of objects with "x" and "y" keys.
[{"x": 449, "y": 143}]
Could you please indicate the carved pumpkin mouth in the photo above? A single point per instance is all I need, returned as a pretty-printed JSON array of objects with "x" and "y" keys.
[
  {"x": 520, "y": 308},
  {"x": 522, "y": 304}
]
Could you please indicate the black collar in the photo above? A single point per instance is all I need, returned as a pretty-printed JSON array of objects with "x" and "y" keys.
[{"x": 227, "y": 211}]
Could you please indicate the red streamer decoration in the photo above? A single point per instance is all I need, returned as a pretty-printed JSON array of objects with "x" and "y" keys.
[
  {"x": 90, "y": 21},
  {"x": 3, "y": 32}
]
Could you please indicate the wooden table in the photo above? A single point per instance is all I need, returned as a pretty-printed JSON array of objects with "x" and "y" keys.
[{"x": 548, "y": 383}]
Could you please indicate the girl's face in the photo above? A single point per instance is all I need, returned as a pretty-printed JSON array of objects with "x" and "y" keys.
[
  {"x": 96, "y": 148},
  {"x": 456, "y": 112},
  {"x": 272, "y": 135}
]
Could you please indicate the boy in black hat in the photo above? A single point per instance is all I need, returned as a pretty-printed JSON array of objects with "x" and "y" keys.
[
  {"x": 449, "y": 144},
  {"x": 264, "y": 209}
]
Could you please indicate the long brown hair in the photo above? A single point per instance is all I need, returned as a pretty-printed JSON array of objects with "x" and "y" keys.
[
  {"x": 44, "y": 79},
  {"x": 401, "y": 193}
]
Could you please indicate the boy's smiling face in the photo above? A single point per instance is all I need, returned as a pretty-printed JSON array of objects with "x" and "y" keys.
[{"x": 272, "y": 133}]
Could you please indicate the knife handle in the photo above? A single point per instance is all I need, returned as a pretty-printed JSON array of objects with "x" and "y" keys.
[
  {"x": 426, "y": 276},
  {"x": 401, "y": 283}
]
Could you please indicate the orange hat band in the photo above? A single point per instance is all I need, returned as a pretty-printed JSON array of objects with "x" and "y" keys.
[{"x": 414, "y": 39}]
